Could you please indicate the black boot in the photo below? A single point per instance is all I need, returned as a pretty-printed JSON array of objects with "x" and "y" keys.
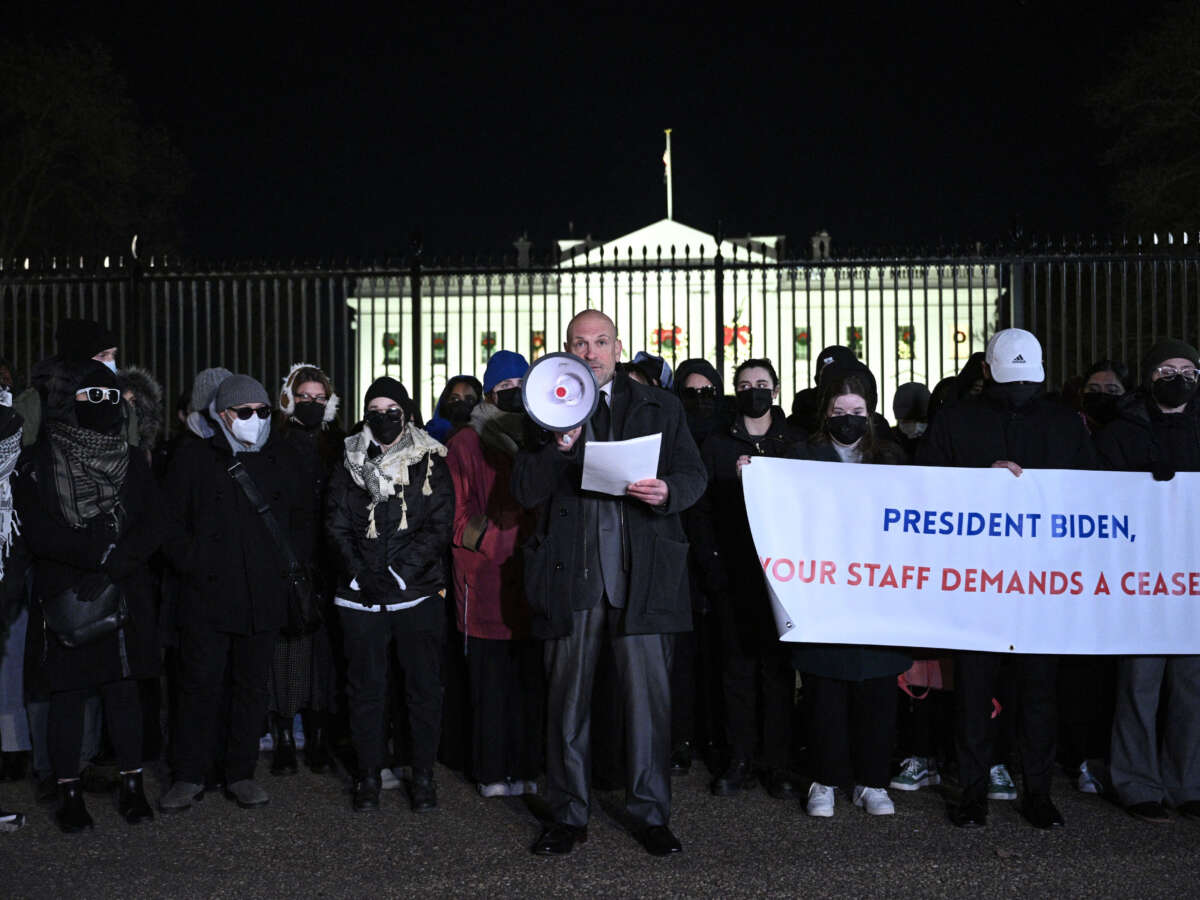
[
  {"x": 422, "y": 792},
  {"x": 131, "y": 803},
  {"x": 366, "y": 794},
  {"x": 72, "y": 815},
  {"x": 316, "y": 753},
  {"x": 284, "y": 760}
]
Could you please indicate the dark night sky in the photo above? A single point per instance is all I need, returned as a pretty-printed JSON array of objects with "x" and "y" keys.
[{"x": 339, "y": 131}]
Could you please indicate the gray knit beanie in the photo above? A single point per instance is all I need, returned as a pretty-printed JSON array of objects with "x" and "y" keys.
[
  {"x": 205, "y": 386},
  {"x": 238, "y": 389}
]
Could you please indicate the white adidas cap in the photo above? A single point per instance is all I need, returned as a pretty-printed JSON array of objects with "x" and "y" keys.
[{"x": 1015, "y": 355}]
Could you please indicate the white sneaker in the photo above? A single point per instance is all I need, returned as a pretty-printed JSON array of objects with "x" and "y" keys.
[
  {"x": 388, "y": 780},
  {"x": 1000, "y": 784},
  {"x": 1088, "y": 783},
  {"x": 517, "y": 787},
  {"x": 915, "y": 773},
  {"x": 266, "y": 743},
  {"x": 820, "y": 800},
  {"x": 495, "y": 789},
  {"x": 874, "y": 800}
]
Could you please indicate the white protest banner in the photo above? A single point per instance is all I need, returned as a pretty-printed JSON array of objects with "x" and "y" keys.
[{"x": 976, "y": 559}]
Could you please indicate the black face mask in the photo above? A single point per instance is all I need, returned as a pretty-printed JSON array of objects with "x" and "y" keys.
[
  {"x": 103, "y": 417},
  {"x": 309, "y": 413},
  {"x": 754, "y": 403},
  {"x": 1100, "y": 408},
  {"x": 847, "y": 430},
  {"x": 509, "y": 400},
  {"x": 458, "y": 409},
  {"x": 385, "y": 426},
  {"x": 1172, "y": 392},
  {"x": 698, "y": 401},
  {"x": 1012, "y": 394}
]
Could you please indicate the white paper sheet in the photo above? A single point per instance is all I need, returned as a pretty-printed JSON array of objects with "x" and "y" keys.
[{"x": 611, "y": 466}]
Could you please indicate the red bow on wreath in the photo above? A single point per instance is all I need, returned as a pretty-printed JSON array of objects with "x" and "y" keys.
[{"x": 742, "y": 333}]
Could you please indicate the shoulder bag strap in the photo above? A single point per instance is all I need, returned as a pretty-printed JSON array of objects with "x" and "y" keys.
[{"x": 242, "y": 477}]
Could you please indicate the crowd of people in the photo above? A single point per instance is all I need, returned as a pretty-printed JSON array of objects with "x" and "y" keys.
[{"x": 406, "y": 592}]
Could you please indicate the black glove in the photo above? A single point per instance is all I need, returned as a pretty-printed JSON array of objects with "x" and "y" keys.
[{"x": 378, "y": 587}]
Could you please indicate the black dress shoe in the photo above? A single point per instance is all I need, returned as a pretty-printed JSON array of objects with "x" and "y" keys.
[
  {"x": 969, "y": 814},
  {"x": 559, "y": 839},
  {"x": 1190, "y": 809},
  {"x": 422, "y": 792},
  {"x": 738, "y": 776},
  {"x": 681, "y": 758},
  {"x": 72, "y": 815},
  {"x": 46, "y": 792},
  {"x": 366, "y": 794},
  {"x": 659, "y": 841},
  {"x": 316, "y": 755},
  {"x": 780, "y": 785},
  {"x": 283, "y": 762},
  {"x": 131, "y": 802},
  {"x": 1041, "y": 812},
  {"x": 1150, "y": 812}
]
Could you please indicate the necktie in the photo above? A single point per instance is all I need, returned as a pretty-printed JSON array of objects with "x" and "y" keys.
[{"x": 601, "y": 419}]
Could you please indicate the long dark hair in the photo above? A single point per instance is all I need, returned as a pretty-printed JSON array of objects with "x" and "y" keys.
[{"x": 870, "y": 446}]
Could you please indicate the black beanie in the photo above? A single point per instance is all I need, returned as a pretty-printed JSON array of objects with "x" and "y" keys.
[
  {"x": 837, "y": 355},
  {"x": 386, "y": 387},
  {"x": 1164, "y": 350},
  {"x": 80, "y": 339}
]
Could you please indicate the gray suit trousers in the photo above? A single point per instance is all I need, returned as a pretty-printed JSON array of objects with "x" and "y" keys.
[{"x": 643, "y": 666}]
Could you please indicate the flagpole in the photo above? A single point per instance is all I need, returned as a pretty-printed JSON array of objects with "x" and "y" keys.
[{"x": 667, "y": 174}]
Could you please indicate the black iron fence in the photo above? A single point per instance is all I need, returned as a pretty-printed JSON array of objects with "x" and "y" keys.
[{"x": 909, "y": 318}]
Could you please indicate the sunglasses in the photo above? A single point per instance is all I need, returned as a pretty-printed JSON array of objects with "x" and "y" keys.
[
  {"x": 245, "y": 412},
  {"x": 100, "y": 395}
]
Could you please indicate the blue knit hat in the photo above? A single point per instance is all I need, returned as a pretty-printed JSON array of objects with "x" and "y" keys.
[{"x": 503, "y": 365}]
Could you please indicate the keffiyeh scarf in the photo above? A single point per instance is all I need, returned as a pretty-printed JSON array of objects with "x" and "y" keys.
[
  {"x": 386, "y": 475},
  {"x": 10, "y": 450},
  {"x": 89, "y": 471}
]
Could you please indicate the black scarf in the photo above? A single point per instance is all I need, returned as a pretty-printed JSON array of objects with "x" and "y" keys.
[{"x": 89, "y": 470}]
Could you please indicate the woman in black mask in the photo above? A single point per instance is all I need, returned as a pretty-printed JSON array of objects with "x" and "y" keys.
[
  {"x": 1104, "y": 384},
  {"x": 302, "y": 671},
  {"x": 91, "y": 516},
  {"x": 758, "y": 682},
  {"x": 391, "y": 518},
  {"x": 851, "y": 691}
]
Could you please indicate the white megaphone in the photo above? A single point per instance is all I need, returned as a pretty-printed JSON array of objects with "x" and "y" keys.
[{"x": 560, "y": 392}]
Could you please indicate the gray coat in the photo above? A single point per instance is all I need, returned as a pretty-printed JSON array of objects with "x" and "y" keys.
[{"x": 556, "y": 581}]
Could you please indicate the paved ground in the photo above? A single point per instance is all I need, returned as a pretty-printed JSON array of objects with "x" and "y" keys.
[{"x": 307, "y": 842}]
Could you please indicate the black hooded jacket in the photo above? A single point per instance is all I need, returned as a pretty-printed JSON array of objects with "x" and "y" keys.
[
  {"x": 1145, "y": 439},
  {"x": 980, "y": 430}
]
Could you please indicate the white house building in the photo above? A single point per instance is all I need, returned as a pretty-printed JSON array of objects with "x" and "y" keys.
[{"x": 907, "y": 322}]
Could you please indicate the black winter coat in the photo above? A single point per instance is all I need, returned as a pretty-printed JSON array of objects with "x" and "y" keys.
[
  {"x": 978, "y": 430},
  {"x": 549, "y": 479},
  {"x": 62, "y": 555},
  {"x": 417, "y": 553},
  {"x": 232, "y": 574},
  {"x": 1145, "y": 439}
]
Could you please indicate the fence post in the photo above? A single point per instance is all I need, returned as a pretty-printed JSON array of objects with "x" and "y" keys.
[
  {"x": 719, "y": 298},
  {"x": 141, "y": 315},
  {"x": 414, "y": 289},
  {"x": 1016, "y": 293}
]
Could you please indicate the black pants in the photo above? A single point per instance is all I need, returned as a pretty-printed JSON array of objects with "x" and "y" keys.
[
  {"x": 506, "y": 708},
  {"x": 205, "y": 655},
  {"x": 852, "y": 725},
  {"x": 643, "y": 665},
  {"x": 1087, "y": 688},
  {"x": 1034, "y": 688},
  {"x": 122, "y": 712},
  {"x": 759, "y": 682},
  {"x": 370, "y": 637}
]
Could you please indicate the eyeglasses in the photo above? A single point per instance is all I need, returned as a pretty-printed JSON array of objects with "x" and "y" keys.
[
  {"x": 311, "y": 398},
  {"x": 99, "y": 395},
  {"x": 1109, "y": 388},
  {"x": 245, "y": 412},
  {"x": 1169, "y": 372}
]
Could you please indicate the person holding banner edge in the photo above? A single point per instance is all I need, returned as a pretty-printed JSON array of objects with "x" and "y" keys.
[
  {"x": 1011, "y": 425},
  {"x": 602, "y": 568},
  {"x": 1158, "y": 431}
]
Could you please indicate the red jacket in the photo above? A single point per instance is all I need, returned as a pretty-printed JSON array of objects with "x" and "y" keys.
[{"x": 489, "y": 590}]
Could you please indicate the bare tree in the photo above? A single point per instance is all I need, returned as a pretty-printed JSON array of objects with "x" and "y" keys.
[{"x": 78, "y": 172}]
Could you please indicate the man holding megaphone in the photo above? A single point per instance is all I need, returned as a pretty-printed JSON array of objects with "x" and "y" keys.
[{"x": 607, "y": 568}]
